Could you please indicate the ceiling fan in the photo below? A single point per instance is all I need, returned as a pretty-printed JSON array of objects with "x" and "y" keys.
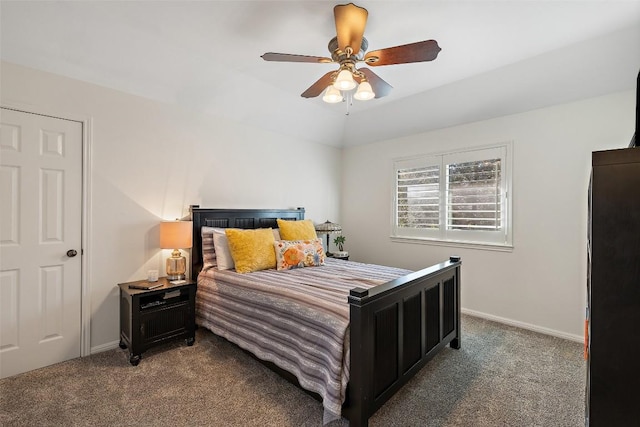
[{"x": 347, "y": 49}]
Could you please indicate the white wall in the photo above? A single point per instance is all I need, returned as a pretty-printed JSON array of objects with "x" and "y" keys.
[
  {"x": 541, "y": 284},
  {"x": 150, "y": 161}
]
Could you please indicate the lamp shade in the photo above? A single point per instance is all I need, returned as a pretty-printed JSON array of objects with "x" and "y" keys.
[
  {"x": 344, "y": 81},
  {"x": 175, "y": 235},
  {"x": 328, "y": 227},
  {"x": 364, "y": 92},
  {"x": 332, "y": 95}
]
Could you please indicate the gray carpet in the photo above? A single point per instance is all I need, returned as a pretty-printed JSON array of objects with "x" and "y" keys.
[{"x": 502, "y": 376}]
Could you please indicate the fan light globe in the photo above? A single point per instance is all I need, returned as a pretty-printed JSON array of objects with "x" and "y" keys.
[
  {"x": 332, "y": 95},
  {"x": 344, "y": 81},
  {"x": 364, "y": 92}
]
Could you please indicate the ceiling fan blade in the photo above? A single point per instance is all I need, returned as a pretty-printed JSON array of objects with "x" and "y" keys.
[
  {"x": 350, "y": 23},
  {"x": 288, "y": 57},
  {"x": 414, "y": 52},
  {"x": 379, "y": 86},
  {"x": 320, "y": 85}
]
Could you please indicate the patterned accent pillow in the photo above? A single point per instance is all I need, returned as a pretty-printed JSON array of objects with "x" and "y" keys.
[{"x": 298, "y": 253}]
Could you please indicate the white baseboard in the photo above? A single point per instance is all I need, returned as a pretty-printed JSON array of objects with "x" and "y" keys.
[
  {"x": 105, "y": 347},
  {"x": 522, "y": 325},
  {"x": 571, "y": 337}
]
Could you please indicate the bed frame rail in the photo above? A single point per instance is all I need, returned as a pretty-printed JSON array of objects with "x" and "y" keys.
[{"x": 395, "y": 329}]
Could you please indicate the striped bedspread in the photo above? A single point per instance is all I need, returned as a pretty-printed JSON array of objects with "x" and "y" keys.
[{"x": 297, "y": 319}]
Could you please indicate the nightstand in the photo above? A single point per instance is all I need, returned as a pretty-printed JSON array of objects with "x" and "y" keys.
[{"x": 152, "y": 317}]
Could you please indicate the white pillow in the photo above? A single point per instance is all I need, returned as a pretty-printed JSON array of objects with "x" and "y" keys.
[{"x": 223, "y": 253}]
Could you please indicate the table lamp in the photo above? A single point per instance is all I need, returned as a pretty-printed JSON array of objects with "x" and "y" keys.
[
  {"x": 176, "y": 235},
  {"x": 328, "y": 228}
]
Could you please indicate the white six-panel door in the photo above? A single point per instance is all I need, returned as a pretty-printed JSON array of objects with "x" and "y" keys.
[{"x": 40, "y": 224}]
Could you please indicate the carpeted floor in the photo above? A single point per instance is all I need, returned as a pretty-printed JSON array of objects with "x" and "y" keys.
[{"x": 502, "y": 376}]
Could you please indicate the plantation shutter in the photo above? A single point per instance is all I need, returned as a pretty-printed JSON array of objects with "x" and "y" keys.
[
  {"x": 418, "y": 197},
  {"x": 474, "y": 195}
]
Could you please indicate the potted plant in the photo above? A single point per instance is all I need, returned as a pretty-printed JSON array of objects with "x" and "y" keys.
[{"x": 339, "y": 242}]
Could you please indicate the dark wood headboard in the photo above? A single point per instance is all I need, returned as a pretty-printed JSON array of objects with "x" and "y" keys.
[{"x": 233, "y": 218}]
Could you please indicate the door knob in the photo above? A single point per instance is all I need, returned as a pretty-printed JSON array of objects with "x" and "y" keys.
[{"x": 71, "y": 253}]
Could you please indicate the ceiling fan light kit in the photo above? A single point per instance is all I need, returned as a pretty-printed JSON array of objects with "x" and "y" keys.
[{"x": 347, "y": 49}]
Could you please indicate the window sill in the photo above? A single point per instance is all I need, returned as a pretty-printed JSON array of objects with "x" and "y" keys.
[{"x": 454, "y": 243}]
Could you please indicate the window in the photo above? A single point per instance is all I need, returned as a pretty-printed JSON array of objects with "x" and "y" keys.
[{"x": 457, "y": 197}]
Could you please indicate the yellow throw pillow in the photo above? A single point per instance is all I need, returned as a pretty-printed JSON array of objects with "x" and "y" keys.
[
  {"x": 251, "y": 250},
  {"x": 297, "y": 230}
]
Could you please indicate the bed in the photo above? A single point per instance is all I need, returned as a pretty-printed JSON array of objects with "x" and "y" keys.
[{"x": 366, "y": 333}]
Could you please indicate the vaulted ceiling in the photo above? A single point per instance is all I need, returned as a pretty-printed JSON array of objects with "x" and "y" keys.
[{"x": 497, "y": 58}]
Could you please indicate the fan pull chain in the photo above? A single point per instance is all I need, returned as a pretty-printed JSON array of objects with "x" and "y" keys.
[{"x": 349, "y": 100}]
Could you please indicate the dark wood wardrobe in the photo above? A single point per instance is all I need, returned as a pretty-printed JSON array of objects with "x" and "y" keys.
[{"x": 613, "y": 363}]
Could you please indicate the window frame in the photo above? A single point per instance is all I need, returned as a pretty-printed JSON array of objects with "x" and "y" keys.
[{"x": 500, "y": 240}]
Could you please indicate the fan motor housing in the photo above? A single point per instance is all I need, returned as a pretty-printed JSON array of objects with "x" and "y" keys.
[{"x": 340, "y": 56}]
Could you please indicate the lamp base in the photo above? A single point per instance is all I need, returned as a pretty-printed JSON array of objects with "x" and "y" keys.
[{"x": 176, "y": 266}]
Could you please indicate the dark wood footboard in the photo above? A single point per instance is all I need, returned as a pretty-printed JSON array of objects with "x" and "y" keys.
[{"x": 396, "y": 328}]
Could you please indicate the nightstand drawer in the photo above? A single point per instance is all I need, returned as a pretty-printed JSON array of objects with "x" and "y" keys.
[{"x": 163, "y": 322}]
